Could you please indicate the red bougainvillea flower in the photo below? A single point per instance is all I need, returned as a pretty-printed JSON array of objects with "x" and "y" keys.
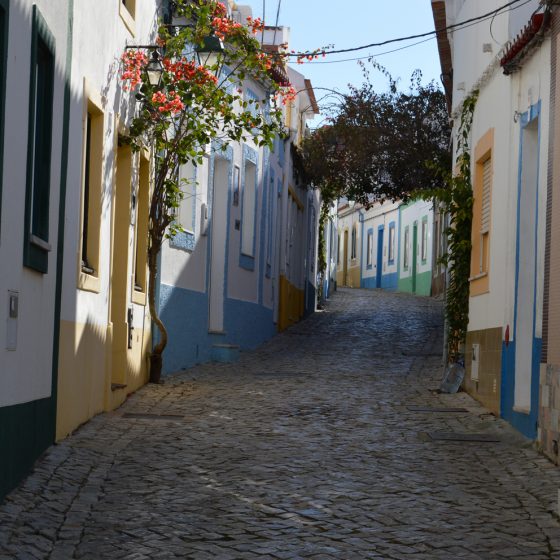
[
  {"x": 255, "y": 25},
  {"x": 133, "y": 62}
]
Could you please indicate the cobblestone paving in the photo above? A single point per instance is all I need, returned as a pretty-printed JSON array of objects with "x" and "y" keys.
[{"x": 305, "y": 448}]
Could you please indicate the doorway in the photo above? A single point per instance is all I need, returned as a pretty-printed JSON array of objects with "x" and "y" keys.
[{"x": 379, "y": 270}]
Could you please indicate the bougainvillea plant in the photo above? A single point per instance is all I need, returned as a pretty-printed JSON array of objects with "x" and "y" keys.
[{"x": 192, "y": 106}]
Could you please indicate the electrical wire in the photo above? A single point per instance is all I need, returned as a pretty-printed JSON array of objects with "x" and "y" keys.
[
  {"x": 375, "y": 55},
  {"x": 459, "y": 25},
  {"x": 372, "y": 55}
]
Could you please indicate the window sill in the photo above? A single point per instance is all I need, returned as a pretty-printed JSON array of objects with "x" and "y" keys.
[
  {"x": 89, "y": 283},
  {"x": 522, "y": 410},
  {"x": 478, "y": 276},
  {"x": 127, "y": 19},
  {"x": 247, "y": 262},
  {"x": 38, "y": 242},
  {"x": 139, "y": 298}
]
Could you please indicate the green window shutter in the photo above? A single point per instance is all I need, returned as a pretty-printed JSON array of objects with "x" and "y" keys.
[{"x": 39, "y": 142}]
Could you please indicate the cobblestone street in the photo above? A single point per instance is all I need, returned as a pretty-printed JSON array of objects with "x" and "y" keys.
[{"x": 313, "y": 446}]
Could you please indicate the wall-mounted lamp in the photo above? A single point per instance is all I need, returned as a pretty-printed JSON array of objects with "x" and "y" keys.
[
  {"x": 154, "y": 69},
  {"x": 208, "y": 54}
]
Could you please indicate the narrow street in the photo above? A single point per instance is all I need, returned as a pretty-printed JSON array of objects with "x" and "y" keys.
[{"x": 313, "y": 446}]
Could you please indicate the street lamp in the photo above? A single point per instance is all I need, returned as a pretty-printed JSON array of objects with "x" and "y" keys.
[
  {"x": 154, "y": 69},
  {"x": 208, "y": 54}
]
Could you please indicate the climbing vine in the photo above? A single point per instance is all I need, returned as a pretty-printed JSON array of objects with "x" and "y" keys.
[
  {"x": 456, "y": 199},
  {"x": 322, "y": 249}
]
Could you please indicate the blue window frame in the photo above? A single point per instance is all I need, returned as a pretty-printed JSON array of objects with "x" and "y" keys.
[
  {"x": 369, "y": 262},
  {"x": 391, "y": 244}
]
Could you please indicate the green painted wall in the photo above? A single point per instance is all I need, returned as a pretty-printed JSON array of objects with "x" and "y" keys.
[
  {"x": 423, "y": 284},
  {"x": 26, "y": 430}
]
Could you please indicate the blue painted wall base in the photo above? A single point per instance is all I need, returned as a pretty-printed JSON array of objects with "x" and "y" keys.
[
  {"x": 185, "y": 314},
  {"x": 388, "y": 282},
  {"x": 525, "y": 423}
]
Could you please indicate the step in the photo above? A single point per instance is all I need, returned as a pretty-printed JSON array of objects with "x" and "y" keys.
[{"x": 225, "y": 353}]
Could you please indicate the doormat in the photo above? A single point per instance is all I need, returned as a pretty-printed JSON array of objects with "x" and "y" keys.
[
  {"x": 147, "y": 416},
  {"x": 456, "y": 436},
  {"x": 435, "y": 409}
]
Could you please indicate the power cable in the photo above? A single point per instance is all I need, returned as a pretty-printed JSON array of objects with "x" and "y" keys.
[
  {"x": 375, "y": 55},
  {"x": 418, "y": 36}
]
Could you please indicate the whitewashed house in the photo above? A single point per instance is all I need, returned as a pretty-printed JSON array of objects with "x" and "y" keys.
[
  {"x": 247, "y": 261},
  {"x": 35, "y": 104},
  {"x": 508, "y": 63}
]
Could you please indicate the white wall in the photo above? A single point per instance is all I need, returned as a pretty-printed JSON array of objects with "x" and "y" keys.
[{"x": 26, "y": 372}]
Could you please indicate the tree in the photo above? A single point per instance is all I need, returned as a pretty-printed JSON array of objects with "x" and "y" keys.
[
  {"x": 191, "y": 107},
  {"x": 381, "y": 145}
]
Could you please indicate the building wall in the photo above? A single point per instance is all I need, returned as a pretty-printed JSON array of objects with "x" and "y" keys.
[
  {"x": 98, "y": 364},
  {"x": 549, "y": 392},
  {"x": 220, "y": 293},
  {"x": 348, "y": 272},
  {"x": 377, "y": 223},
  {"x": 507, "y": 296},
  {"x": 29, "y": 326},
  {"x": 415, "y": 276}
]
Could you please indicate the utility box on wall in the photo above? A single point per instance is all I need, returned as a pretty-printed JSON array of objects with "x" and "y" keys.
[
  {"x": 12, "y": 320},
  {"x": 475, "y": 361}
]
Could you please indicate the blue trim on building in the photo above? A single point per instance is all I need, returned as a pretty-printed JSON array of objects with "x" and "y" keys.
[
  {"x": 391, "y": 228},
  {"x": 263, "y": 224},
  {"x": 184, "y": 240},
  {"x": 525, "y": 423},
  {"x": 271, "y": 193},
  {"x": 185, "y": 312},
  {"x": 379, "y": 255},
  {"x": 249, "y": 154},
  {"x": 369, "y": 266},
  {"x": 390, "y": 281}
]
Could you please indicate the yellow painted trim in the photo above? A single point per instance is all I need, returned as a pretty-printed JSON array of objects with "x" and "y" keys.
[
  {"x": 128, "y": 17},
  {"x": 140, "y": 255},
  {"x": 92, "y": 104},
  {"x": 139, "y": 298},
  {"x": 480, "y": 281},
  {"x": 88, "y": 282},
  {"x": 295, "y": 197},
  {"x": 291, "y": 305}
]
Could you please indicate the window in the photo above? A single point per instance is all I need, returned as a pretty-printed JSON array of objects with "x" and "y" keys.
[
  {"x": 141, "y": 233},
  {"x": 187, "y": 206},
  {"x": 370, "y": 248},
  {"x": 353, "y": 243},
  {"x": 4, "y": 19},
  {"x": 270, "y": 218},
  {"x": 236, "y": 184},
  {"x": 485, "y": 214},
  {"x": 338, "y": 249},
  {"x": 127, "y": 11},
  {"x": 91, "y": 190},
  {"x": 391, "y": 256},
  {"x": 406, "y": 249},
  {"x": 248, "y": 210},
  {"x": 37, "y": 247},
  {"x": 424, "y": 243},
  {"x": 482, "y": 191}
]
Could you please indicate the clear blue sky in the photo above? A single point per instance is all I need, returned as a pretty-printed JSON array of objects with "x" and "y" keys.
[{"x": 350, "y": 23}]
